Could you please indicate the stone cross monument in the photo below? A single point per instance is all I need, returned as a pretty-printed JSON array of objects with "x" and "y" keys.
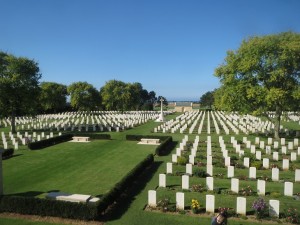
[{"x": 161, "y": 116}]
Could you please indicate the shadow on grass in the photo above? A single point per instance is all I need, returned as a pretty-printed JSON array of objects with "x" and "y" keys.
[
  {"x": 27, "y": 194},
  {"x": 123, "y": 203}
]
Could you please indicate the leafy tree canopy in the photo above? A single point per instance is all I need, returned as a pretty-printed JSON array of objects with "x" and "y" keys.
[
  {"x": 84, "y": 96},
  {"x": 19, "y": 86},
  {"x": 207, "y": 99},
  {"x": 262, "y": 75}
]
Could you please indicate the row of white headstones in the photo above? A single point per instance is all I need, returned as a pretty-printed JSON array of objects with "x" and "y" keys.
[
  {"x": 241, "y": 201},
  {"x": 228, "y": 122},
  {"x": 14, "y": 140},
  {"x": 99, "y": 120}
]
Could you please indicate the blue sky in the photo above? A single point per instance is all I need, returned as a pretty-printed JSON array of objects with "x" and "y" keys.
[{"x": 170, "y": 46}]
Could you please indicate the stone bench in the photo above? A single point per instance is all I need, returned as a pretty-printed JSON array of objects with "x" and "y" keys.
[
  {"x": 80, "y": 139},
  {"x": 72, "y": 197},
  {"x": 149, "y": 141}
]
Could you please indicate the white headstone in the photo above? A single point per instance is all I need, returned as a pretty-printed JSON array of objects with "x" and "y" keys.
[
  {"x": 283, "y": 150},
  {"x": 261, "y": 187},
  {"x": 230, "y": 171},
  {"x": 297, "y": 175},
  {"x": 185, "y": 182},
  {"x": 152, "y": 198},
  {"x": 210, "y": 203},
  {"x": 252, "y": 172},
  {"x": 241, "y": 205},
  {"x": 290, "y": 145},
  {"x": 274, "y": 208},
  {"x": 209, "y": 160},
  {"x": 169, "y": 167},
  {"x": 209, "y": 170},
  {"x": 258, "y": 155},
  {"x": 174, "y": 158},
  {"x": 266, "y": 163},
  {"x": 253, "y": 149},
  {"x": 192, "y": 159},
  {"x": 227, "y": 161},
  {"x": 275, "y": 174},
  {"x": 276, "y": 145},
  {"x": 210, "y": 183},
  {"x": 246, "y": 162},
  {"x": 288, "y": 189},
  {"x": 282, "y": 141},
  {"x": 235, "y": 184},
  {"x": 162, "y": 180},
  {"x": 189, "y": 169},
  {"x": 180, "y": 200},
  {"x": 275, "y": 156},
  {"x": 285, "y": 164},
  {"x": 293, "y": 156}
]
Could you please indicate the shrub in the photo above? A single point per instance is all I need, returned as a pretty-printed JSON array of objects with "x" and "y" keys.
[
  {"x": 260, "y": 207},
  {"x": 275, "y": 194},
  {"x": 247, "y": 191},
  {"x": 7, "y": 153},
  {"x": 257, "y": 164},
  {"x": 49, "y": 142},
  {"x": 292, "y": 216},
  {"x": 200, "y": 172},
  {"x": 198, "y": 188},
  {"x": 163, "y": 204},
  {"x": 181, "y": 160},
  {"x": 195, "y": 206}
]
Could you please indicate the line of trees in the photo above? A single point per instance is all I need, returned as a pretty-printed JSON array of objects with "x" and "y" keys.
[{"x": 21, "y": 92}]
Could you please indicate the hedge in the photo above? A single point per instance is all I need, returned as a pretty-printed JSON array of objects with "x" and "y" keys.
[
  {"x": 7, "y": 153},
  {"x": 162, "y": 149},
  {"x": 47, "y": 207},
  {"x": 111, "y": 196},
  {"x": 49, "y": 142}
]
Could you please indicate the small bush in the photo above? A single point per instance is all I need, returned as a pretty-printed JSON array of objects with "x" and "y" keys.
[
  {"x": 49, "y": 142},
  {"x": 200, "y": 172},
  {"x": 7, "y": 153},
  {"x": 181, "y": 160},
  {"x": 198, "y": 188},
  {"x": 257, "y": 164}
]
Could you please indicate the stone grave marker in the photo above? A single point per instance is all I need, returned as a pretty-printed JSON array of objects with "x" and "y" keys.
[
  {"x": 266, "y": 163},
  {"x": 241, "y": 205},
  {"x": 261, "y": 187},
  {"x": 275, "y": 174},
  {"x": 230, "y": 171},
  {"x": 209, "y": 170},
  {"x": 274, "y": 208},
  {"x": 288, "y": 189},
  {"x": 210, "y": 183},
  {"x": 235, "y": 184},
  {"x": 285, "y": 164},
  {"x": 210, "y": 203},
  {"x": 293, "y": 156},
  {"x": 246, "y": 162},
  {"x": 258, "y": 155},
  {"x": 252, "y": 172},
  {"x": 189, "y": 169},
  {"x": 152, "y": 198},
  {"x": 297, "y": 175},
  {"x": 275, "y": 156},
  {"x": 162, "y": 180},
  {"x": 180, "y": 200},
  {"x": 185, "y": 182},
  {"x": 169, "y": 167}
]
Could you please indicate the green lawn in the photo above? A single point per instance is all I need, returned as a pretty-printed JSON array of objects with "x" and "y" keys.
[{"x": 92, "y": 168}]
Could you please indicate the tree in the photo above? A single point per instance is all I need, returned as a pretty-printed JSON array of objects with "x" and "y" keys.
[
  {"x": 53, "y": 96},
  {"x": 19, "y": 86},
  {"x": 207, "y": 99},
  {"x": 84, "y": 97},
  {"x": 262, "y": 75},
  {"x": 115, "y": 95}
]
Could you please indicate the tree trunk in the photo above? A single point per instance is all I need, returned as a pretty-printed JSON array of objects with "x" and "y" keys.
[{"x": 278, "y": 113}]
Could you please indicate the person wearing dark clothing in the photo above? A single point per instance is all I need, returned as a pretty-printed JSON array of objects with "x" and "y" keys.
[{"x": 220, "y": 219}]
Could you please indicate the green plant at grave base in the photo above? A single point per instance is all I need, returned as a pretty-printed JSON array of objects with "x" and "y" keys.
[
  {"x": 242, "y": 177},
  {"x": 163, "y": 204},
  {"x": 239, "y": 166},
  {"x": 195, "y": 206},
  {"x": 247, "y": 191},
  {"x": 260, "y": 207},
  {"x": 265, "y": 177},
  {"x": 200, "y": 173},
  {"x": 198, "y": 188},
  {"x": 229, "y": 212},
  {"x": 181, "y": 160},
  {"x": 292, "y": 216},
  {"x": 200, "y": 164},
  {"x": 275, "y": 194},
  {"x": 257, "y": 164}
]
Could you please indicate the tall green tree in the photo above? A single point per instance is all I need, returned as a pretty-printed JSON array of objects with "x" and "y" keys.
[
  {"x": 84, "y": 96},
  {"x": 19, "y": 86},
  {"x": 207, "y": 99},
  {"x": 262, "y": 75},
  {"x": 53, "y": 97}
]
